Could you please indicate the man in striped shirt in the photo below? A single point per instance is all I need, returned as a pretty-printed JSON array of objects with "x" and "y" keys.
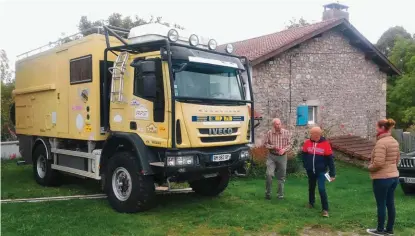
[{"x": 278, "y": 141}]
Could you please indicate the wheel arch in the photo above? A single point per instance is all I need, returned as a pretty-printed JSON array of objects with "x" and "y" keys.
[
  {"x": 120, "y": 141},
  {"x": 42, "y": 141}
]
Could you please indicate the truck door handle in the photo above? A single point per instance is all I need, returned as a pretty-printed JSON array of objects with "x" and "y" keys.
[{"x": 133, "y": 125}]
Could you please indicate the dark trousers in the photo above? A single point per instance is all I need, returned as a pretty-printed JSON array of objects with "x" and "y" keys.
[
  {"x": 384, "y": 190},
  {"x": 319, "y": 179}
]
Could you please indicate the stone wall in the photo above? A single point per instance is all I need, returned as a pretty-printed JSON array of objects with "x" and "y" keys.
[{"x": 349, "y": 91}]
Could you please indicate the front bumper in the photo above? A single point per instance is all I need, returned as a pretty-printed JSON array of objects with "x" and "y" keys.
[
  {"x": 204, "y": 163},
  {"x": 406, "y": 173},
  {"x": 402, "y": 181}
]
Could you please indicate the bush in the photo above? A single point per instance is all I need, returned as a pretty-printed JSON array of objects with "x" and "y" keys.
[
  {"x": 294, "y": 164},
  {"x": 258, "y": 165}
]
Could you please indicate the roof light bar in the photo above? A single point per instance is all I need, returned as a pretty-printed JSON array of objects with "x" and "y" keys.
[
  {"x": 212, "y": 44},
  {"x": 173, "y": 35},
  {"x": 229, "y": 48},
  {"x": 194, "y": 40}
]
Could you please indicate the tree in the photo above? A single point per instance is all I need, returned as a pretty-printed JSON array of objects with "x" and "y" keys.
[
  {"x": 402, "y": 54},
  {"x": 401, "y": 102},
  {"x": 386, "y": 42},
  {"x": 5, "y": 71},
  {"x": 294, "y": 23},
  {"x": 7, "y": 86},
  {"x": 401, "y": 91}
]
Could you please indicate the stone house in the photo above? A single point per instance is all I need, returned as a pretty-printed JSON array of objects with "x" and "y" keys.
[{"x": 325, "y": 73}]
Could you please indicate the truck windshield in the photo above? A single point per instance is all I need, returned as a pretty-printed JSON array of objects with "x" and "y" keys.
[{"x": 208, "y": 81}]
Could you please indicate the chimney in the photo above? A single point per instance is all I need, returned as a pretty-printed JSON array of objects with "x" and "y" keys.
[{"x": 335, "y": 11}]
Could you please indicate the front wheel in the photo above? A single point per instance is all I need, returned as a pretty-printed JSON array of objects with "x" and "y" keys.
[
  {"x": 42, "y": 169},
  {"x": 408, "y": 189},
  {"x": 127, "y": 191},
  {"x": 211, "y": 186}
]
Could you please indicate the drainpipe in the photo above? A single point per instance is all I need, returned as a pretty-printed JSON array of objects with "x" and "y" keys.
[
  {"x": 290, "y": 88},
  {"x": 290, "y": 84}
]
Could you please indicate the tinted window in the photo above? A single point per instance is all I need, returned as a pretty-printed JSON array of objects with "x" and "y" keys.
[{"x": 81, "y": 70}]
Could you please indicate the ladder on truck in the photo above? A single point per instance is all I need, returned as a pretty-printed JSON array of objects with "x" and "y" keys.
[{"x": 117, "y": 82}]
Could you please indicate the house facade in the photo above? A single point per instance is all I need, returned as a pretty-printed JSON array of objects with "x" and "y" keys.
[{"x": 324, "y": 74}]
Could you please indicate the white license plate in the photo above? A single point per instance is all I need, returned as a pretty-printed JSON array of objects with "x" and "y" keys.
[
  {"x": 409, "y": 180},
  {"x": 221, "y": 157}
]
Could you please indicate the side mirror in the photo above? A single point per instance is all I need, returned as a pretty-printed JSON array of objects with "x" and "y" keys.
[
  {"x": 147, "y": 69},
  {"x": 144, "y": 67},
  {"x": 149, "y": 86},
  {"x": 244, "y": 79}
]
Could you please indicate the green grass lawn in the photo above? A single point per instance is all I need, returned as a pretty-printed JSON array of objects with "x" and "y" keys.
[{"x": 240, "y": 210}]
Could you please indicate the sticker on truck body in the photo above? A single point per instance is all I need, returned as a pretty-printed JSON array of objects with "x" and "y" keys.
[
  {"x": 135, "y": 102},
  {"x": 117, "y": 118},
  {"x": 141, "y": 113},
  {"x": 217, "y": 118},
  {"x": 151, "y": 129},
  {"x": 79, "y": 122}
]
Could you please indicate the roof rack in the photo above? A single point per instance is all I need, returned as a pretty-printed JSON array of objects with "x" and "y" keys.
[{"x": 93, "y": 30}]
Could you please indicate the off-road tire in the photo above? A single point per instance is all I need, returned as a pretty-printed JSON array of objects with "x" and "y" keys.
[
  {"x": 142, "y": 196},
  {"x": 51, "y": 177},
  {"x": 408, "y": 189},
  {"x": 211, "y": 186}
]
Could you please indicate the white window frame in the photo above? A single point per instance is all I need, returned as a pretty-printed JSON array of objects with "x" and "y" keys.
[{"x": 313, "y": 120}]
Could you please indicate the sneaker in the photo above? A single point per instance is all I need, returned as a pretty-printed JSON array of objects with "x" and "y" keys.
[
  {"x": 310, "y": 206},
  {"x": 325, "y": 213},
  {"x": 389, "y": 233},
  {"x": 375, "y": 232},
  {"x": 268, "y": 197},
  {"x": 280, "y": 197}
]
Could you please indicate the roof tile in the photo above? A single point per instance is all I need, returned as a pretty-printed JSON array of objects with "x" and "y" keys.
[{"x": 255, "y": 48}]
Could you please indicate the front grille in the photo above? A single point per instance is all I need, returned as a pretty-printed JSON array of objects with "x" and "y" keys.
[
  {"x": 206, "y": 130},
  {"x": 408, "y": 163},
  {"x": 218, "y": 139}
]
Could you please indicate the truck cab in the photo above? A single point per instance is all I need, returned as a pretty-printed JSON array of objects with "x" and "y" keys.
[{"x": 159, "y": 106}]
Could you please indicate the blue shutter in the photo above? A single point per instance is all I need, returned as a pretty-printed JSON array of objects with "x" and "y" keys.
[{"x": 302, "y": 115}]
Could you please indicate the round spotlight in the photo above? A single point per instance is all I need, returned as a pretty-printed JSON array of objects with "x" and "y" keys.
[
  {"x": 194, "y": 40},
  {"x": 229, "y": 48},
  {"x": 212, "y": 44},
  {"x": 173, "y": 35}
]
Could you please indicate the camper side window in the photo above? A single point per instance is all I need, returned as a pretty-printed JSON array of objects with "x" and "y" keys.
[{"x": 81, "y": 70}]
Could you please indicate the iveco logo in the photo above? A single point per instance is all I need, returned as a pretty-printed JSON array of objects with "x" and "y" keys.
[{"x": 220, "y": 131}]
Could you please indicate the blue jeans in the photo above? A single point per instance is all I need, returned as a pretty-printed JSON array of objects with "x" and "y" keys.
[
  {"x": 319, "y": 179},
  {"x": 384, "y": 190}
]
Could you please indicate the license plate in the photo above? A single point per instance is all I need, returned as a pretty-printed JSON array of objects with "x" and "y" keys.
[
  {"x": 409, "y": 180},
  {"x": 221, "y": 157}
]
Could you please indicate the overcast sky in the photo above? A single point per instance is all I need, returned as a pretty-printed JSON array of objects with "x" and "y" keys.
[{"x": 28, "y": 24}]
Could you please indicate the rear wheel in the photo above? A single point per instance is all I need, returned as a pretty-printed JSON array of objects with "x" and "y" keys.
[
  {"x": 211, "y": 186},
  {"x": 42, "y": 169},
  {"x": 408, "y": 189},
  {"x": 127, "y": 191}
]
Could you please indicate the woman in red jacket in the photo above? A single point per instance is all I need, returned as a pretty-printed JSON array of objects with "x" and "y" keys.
[{"x": 317, "y": 158}]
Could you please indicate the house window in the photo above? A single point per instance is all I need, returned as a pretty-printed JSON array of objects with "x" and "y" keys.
[
  {"x": 312, "y": 115},
  {"x": 81, "y": 70}
]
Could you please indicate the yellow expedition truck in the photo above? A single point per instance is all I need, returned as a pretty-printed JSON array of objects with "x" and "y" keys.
[{"x": 135, "y": 109}]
